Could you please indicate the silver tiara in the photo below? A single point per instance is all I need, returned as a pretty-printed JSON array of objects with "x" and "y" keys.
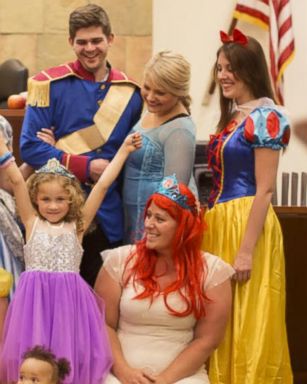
[{"x": 53, "y": 166}]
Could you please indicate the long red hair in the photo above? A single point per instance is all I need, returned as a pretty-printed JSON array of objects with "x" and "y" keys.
[{"x": 191, "y": 269}]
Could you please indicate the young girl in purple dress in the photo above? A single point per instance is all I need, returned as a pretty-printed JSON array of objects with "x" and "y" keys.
[{"x": 53, "y": 306}]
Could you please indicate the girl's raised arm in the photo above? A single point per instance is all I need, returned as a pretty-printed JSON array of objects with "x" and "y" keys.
[
  {"x": 95, "y": 198},
  {"x": 9, "y": 167}
]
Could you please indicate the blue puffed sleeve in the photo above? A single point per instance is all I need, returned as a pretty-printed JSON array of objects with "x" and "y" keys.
[{"x": 267, "y": 128}]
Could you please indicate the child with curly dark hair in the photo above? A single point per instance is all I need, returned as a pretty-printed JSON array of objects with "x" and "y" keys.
[{"x": 41, "y": 365}]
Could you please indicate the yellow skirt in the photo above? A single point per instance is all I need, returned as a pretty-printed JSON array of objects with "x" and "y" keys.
[
  {"x": 6, "y": 281},
  {"x": 255, "y": 347}
]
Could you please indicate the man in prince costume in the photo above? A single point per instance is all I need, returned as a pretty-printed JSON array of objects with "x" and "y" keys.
[
  {"x": 242, "y": 226},
  {"x": 91, "y": 108}
]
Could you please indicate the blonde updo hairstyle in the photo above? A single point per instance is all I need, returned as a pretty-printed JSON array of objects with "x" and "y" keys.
[
  {"x": 170, "y": 72},
  {"x": 70, "y": 185}
]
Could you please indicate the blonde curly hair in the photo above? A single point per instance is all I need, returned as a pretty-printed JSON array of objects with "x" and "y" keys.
[{"x": 70, "y": 185}]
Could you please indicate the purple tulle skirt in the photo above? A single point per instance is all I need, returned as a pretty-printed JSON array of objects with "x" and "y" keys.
[{"x": 60, "y": 311}]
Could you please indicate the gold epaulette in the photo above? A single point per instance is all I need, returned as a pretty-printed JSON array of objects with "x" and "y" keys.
[
  {"x": 39, "y": 85},
  {"x": 38, "y": 93}
]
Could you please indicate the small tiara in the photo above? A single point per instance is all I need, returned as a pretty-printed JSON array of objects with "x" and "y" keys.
[
  {"x": 169, "y": 187},
  {"x": 53, "y": 166}
]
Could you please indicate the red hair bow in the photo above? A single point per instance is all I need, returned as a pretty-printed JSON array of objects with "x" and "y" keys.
[{"x": 236, "y": 37}]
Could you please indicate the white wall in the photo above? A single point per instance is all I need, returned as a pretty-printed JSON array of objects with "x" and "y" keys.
[{"x": 192, "y": 28}]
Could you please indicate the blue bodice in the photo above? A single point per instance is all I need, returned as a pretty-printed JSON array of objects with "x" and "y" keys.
[{"x": 232, "y": 152}]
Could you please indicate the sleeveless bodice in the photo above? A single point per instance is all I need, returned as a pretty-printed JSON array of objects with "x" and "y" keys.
[{"x": 53, "y": 248}]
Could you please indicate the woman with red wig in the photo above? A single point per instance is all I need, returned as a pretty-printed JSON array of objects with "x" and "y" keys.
[{"x": 167, "y": 302}]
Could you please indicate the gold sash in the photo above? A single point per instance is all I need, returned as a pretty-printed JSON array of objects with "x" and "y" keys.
[{"x": 92, "y": 137}]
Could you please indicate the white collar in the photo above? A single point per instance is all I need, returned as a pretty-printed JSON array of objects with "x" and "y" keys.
[{"x": 246, "y": 108}]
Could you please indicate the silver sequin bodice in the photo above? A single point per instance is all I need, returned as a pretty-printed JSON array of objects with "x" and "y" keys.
[{"x": 53, "y": 248}]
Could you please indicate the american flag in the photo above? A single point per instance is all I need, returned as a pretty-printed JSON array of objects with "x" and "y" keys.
[{"x": 274, "y": 15}]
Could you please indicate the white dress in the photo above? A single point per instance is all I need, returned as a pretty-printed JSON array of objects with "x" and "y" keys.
[{"x": 151, "y": 338}]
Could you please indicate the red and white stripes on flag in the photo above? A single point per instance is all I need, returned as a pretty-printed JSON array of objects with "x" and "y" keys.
[{"x": 274, "y": 15}]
